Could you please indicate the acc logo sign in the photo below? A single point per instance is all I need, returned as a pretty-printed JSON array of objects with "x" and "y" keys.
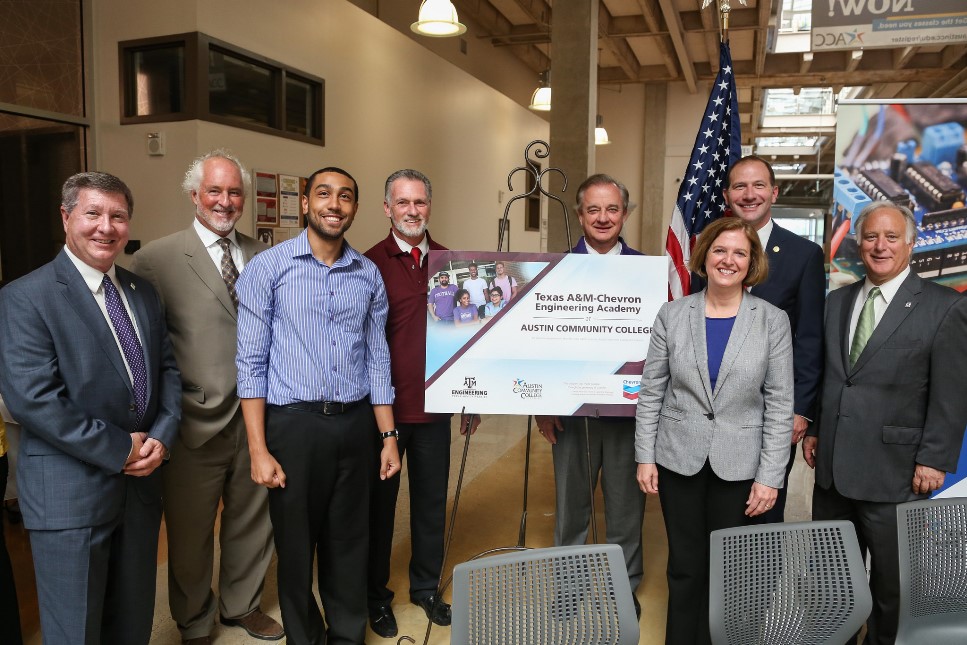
[{"x": 833, "y": 39}]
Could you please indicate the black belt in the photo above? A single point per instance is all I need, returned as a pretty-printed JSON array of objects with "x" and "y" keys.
[{"x": 328, "y": 408}]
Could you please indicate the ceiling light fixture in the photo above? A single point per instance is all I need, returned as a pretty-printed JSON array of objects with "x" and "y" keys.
[
  {"x": 438, "y": 19},
  {"x": 541, "y": 98},
  {"x": 600, "y": 134}
]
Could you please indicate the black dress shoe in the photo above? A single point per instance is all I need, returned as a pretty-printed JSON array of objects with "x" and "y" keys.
[
  {"x": 436, "y": 610},
  {"x": 383, "y": 622}
]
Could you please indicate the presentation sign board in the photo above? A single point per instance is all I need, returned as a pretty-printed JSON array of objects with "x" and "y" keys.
[{"x": 571, "y": 338}]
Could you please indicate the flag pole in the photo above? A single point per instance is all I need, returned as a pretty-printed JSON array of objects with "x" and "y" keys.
[{"x": 724, "y": 10}]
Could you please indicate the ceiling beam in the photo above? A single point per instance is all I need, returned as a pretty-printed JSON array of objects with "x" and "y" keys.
[
  {"x": 618, "y": 47},
  {"x": 951, "y": 54},
  {"x": 952, "y": 87},
  {"x": 853, "y": 59},
  {"x": 651, "y": 18},
  {"x": 674, "y": 22},
  {"x": 764, "y": 9},
  {"x": 805, "y": 61},
  {"x": 486, "y": 16},
  {"x": 537, "y": 10},
  {"x": 710, "y": 25},
  {"x": 902, "y": 56}
]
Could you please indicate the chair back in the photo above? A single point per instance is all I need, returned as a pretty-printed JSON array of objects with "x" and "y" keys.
[
  {"x": 576, "y": 595},
  {"x": 775, "y": 584},
  {"x": 932, "y": 537}
]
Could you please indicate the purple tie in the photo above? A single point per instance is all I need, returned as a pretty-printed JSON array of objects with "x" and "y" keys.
[{"x": 129, "y": 343}]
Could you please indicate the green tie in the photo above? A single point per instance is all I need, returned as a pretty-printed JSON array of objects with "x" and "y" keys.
[{"x": 864, "y": 327}]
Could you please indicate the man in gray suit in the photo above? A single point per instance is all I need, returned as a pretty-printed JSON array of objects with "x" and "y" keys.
[
  {"x": 194, "y": 271},
  {"x": 87, "y": 368},
  {"x": 892, "y": 408}
]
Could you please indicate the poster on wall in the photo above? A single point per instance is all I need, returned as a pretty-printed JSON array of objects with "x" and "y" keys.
[
  {"x": 290, "y": 202},
  {"x": 266, "y": 199},
  {"x": 565, "y": 334},
  {"x": 912, "y": 153},
  {"x": 865, "y": 24}
]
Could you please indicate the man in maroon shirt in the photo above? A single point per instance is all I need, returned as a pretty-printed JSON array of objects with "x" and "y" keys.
[{"x": 424, "y": 438}]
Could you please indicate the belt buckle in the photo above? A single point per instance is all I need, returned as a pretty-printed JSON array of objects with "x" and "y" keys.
[{"x": 330, "y": 408}]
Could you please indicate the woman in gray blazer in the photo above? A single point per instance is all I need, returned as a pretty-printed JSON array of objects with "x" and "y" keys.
[{"x": 714, "y": 417}]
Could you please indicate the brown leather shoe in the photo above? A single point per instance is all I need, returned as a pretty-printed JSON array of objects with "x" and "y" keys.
[
  {"x": 257, "y": 624},
  {"x": 201, "y": 640}
]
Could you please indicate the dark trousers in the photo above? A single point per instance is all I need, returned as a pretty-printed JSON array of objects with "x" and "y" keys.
[
  {"x": 876, "y": 531},
  {"x": 96, "y": 584},
  {"x": 777, "y": 513},
  {"x": 427, "y": 450},
  {"x": 323, "y": 511},
  {"x": 9, "y": 612},
  {"x": 694, "y": 506}
]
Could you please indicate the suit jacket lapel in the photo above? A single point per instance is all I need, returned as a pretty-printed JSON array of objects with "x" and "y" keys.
[
  {"x": 201, "y": 263},
  {"x": 896, "y": 313},
  {"x": 699, "y": 345},
  {"x": 775, "y": 261},
  {"x": 81, "y": 300},
  {"x": 740, "y": 330}
]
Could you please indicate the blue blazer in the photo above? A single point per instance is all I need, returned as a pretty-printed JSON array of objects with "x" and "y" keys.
[{"x": 63, "y": 378}]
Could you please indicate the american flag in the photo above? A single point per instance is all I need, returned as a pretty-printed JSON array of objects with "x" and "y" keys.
[{"x": 700, "y": 201}]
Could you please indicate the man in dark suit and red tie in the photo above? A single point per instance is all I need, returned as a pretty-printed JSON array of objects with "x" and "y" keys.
[
  {"x": 796, "y": 284},
  {"x": 87, "y": 368},
  {"x": 892, "y": 409}
]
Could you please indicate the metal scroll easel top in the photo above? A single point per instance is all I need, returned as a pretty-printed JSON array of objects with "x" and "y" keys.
[{"x": 531, "y": 167}]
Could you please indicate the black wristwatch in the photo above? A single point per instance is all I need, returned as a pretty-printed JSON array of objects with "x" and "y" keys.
[{"x": 392, "y": 433}]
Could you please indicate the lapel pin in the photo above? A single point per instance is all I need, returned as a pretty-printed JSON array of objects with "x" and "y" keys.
[
  {"x": 133, "y": 287},
  {"x": 775, "y": 249},
  {"x": 908, "y": 305}
]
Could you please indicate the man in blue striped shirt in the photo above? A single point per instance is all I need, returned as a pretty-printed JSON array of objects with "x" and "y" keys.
[{"x": 314, "y": 379}]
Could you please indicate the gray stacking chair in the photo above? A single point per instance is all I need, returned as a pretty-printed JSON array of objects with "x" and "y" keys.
[
  {"x": 576, "y": 595},
  {"x": 933, "y": 571},
  {"x": 776, "y": 584}
]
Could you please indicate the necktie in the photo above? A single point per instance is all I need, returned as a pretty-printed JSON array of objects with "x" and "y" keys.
[
  {"x": 416, "y": 253},
  {"x": 864, "y": 327},
  {"x": 130, "y": 344},
  {"x": 229, "y": 270}
]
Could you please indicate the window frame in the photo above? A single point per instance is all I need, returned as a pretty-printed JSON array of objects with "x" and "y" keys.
[{"x": 197, "y": 47}]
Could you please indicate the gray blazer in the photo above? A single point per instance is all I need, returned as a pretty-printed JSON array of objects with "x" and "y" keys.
[
  {"x": 903, "y": 402},
  {"x": 744, "y": 427},
  {"x": 202, "y": 323}
]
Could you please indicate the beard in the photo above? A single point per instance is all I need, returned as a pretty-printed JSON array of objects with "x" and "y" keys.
[
  {"x": 217, "y": 224},
  {"x": 315, "y": 223},
  {"x": 410, "y": 230}
]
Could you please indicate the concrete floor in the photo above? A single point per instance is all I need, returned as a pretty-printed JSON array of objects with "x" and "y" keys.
[{"x": 489, "y": 515}]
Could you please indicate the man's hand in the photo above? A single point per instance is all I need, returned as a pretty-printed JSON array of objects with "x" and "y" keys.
[
  {"x": 389, "y": 458},
  {"x": 809, "y": 447},
  {"x": 474, "y": 422},
  {"x": 927, "y": 479},
  {"x": 648, "y": 478},
  {"x": 549, "y": 427},
  {"x": 799, "y": 426},
  {"x": 761, "y": 499},
  {"x": 148, "y": 457},
  {"x": 266, "y": 471}
]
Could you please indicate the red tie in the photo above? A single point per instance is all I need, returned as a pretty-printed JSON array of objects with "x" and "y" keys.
[{"x": 415, "y": 252}]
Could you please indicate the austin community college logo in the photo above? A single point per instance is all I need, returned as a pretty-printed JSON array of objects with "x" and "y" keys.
[{"x": 527, "y": 390}]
